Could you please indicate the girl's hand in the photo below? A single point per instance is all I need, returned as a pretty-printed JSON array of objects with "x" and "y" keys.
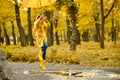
[{"x": 46, "y": 21}]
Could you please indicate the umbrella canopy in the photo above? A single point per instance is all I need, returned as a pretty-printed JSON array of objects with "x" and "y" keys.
[{"x": 37, "y": 3}]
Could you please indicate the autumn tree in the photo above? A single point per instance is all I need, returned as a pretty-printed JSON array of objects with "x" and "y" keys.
[
  {"x": 103, "y": 17},
  {"x": 49, "y": 15},
  {"x": 71, "y": 9},
  {"x": 21, "y": 30},
  {"x": 114, "y": 19},
  {"x": 13, "y": 33},
  {"x": 7, "y": 40},
  {"x": 56, "y": 32},
  {"x": 5, "y": 17},
  {"x": 69, "y": 32},
  {"x": 30, "y": 37},
  {"x": 96, "y": 15}
]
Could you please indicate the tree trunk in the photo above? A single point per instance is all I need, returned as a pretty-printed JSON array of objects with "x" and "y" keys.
[
  {"x": 65, "y": 36},
  {"x": 74, "y": 36},
  {"x": 56, "y": 33},
  {"x": 50, "y": 29},
  {"x": 69, "y": 32},
  {"x": 73, "y": 12},
  {"x": 7, "y": 40},
  {"x": 97, "y": 26},
  {"x": 102, "y": 25},
  {"x": 98, "y": 32},
  {"x": 0, "y": 31},
  {"x": 21, "y": 30},
  {"x": 103, "y": 21},
  {"x": 112, "y": 30},
  {"x": 112, "y": 34},
  {"x": 13, "y": 33},
  {"x": 61, "y": 37},
  {"x": 83, "y": 36},
  {"x": 78, "y": 37},
  {"x": 0, "y": 34},
  {"x": 115, "y": 36},
  {"x": 30, "y": 37},
  {"x": 86, "y": 35},
  {"x": 1, "y": 38}
]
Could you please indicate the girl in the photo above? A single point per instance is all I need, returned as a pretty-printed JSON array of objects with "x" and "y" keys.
[{"x": 40, "y": 26}]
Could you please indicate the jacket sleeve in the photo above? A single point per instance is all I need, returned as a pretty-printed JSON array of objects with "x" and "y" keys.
[
  {"x": 36, "y": 24},
  {"x": 46, "y": 24}
]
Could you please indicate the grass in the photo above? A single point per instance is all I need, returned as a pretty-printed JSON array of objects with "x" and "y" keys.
[{"x": 87, "y": 54}]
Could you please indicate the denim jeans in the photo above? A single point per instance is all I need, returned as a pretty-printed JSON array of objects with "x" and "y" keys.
[{"x": 44, "y": 47}]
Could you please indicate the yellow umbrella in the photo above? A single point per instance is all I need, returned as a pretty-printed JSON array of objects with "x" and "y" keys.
[{"x": 37, "y": 3}]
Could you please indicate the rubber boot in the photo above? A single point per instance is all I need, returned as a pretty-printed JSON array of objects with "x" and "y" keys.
[
  {"x": 40, "y": 55},
  {"x": 42, "y": 64}
]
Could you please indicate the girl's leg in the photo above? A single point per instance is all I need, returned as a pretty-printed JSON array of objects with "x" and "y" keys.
[
  {"x": 43, "y": 62},
  {"x": 45, "y": 45}
]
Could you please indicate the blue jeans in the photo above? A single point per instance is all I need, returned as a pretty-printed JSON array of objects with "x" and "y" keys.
[{"x": 44, "y": 47}]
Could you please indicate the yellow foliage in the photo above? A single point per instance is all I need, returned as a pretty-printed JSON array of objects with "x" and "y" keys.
[{"x": 87, "y": 54}]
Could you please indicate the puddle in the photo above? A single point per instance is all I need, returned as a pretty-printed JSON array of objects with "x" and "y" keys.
[
  {"x": 62, "y": 73},
  {"x": 66, "y": 73},
  {"x": 32, "y": 72},
  {"x": 114, "y": 75}
]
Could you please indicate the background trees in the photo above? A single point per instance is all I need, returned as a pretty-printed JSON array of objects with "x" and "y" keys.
[{"x": 5, "y": 17}]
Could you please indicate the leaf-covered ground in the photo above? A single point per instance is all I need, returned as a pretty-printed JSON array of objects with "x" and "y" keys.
[{"x": 86, "y": 54}]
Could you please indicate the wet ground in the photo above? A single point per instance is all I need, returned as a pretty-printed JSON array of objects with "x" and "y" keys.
[{"x": 32, "y": 71}]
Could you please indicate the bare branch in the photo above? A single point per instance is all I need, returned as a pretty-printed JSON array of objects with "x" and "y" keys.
[{"x": 110, "y": 10}]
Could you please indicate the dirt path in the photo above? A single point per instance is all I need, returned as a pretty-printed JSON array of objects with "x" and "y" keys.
[{"x": 32, "y": 71}]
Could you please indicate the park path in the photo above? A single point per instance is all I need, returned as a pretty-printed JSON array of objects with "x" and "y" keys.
[{"x": 32, "y": 71}]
